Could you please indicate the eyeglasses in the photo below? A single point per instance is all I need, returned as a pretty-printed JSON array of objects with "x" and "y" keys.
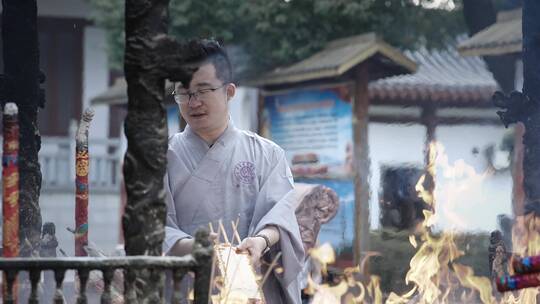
[{"x": 183, "y": 98}]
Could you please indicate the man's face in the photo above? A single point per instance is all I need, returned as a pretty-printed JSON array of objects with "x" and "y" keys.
[{"x": 208, "y": 111}]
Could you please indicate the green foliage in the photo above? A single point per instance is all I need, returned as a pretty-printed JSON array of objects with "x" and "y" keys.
[
  {"x": 277, "y": 32},
  {"x": 286, "y": 32},
  {"x": 110, "y": 15}
]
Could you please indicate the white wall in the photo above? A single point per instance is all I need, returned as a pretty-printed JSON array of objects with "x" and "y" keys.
[
  {"x": 391, "y": 145},
  {"x": 518, "y": 82},
  {"x": 243, "y": 108},
  {"x": 467, "y": 201},
  {"x": 96, "y": 79},
  {"x": 64, "y": 8},
  {"x": 475, "y": 200}
]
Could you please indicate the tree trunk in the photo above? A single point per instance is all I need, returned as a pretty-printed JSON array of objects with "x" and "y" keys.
[
  {"x": 21, "y": 86},
  {"x": 531, "y": 88},
  {"x": 146, "y": 131}
]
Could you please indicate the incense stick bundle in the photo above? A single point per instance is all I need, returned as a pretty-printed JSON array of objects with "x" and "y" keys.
[
  {"x": 526, "y": 264},
  {"x": 240, "y": 284},
  {"x": 520, "y": 281},
  {"x": 10, "y": 181},
  {"x": 10, "y": 194},
  {"x": 81, "y": 183}
]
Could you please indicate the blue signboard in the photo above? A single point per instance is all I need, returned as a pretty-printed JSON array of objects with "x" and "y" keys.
[{"x": 314, "y": 127}]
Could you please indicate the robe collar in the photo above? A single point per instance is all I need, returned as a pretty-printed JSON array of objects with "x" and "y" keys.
[{"x": 224, "y": 139}]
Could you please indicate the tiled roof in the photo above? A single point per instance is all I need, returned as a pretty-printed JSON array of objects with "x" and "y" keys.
[
  {"x": 503, "y": 37},
  {"x": 442, "y": 76},
  {"x": 114, "y": 95},
  {"x": 336, "y": 58}
]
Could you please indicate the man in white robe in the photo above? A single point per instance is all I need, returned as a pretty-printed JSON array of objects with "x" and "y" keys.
[{"x": 218, "y": 172}]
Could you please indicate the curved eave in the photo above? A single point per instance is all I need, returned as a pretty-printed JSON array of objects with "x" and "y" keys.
[
  {"x": 396, "y": 57},
  {"x": 492, "y": 50}
]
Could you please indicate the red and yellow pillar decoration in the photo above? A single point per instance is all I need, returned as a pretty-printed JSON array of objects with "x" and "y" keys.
[
  {"x": 10, "y": 185},
  {"x": 10, "y": 182},
  {"x": 81, "y": 184}
]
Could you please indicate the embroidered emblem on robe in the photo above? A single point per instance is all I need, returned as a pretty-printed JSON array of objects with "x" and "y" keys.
[{"x": 244, "y": 172}]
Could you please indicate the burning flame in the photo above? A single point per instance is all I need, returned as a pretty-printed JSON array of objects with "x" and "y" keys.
[
  {"x": 434, "y": 274},
  {"x": 324, "y": 254},
  {"x": 525, "y": 236}
]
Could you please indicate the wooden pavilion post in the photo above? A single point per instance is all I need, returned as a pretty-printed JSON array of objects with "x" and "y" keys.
[
  {"x": 429, "y": 119},
  {"x": 362, "y": 162}
]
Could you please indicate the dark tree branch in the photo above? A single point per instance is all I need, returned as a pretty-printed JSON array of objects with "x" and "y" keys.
[{"x": 525, "y": 107}]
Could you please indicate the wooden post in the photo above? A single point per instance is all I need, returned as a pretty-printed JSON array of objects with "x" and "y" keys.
[
  {"x": 361, "y": 160},
  {"x": 429, "y": 119}
]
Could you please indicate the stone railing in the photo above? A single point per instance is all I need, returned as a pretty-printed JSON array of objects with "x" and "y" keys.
[
  {"x": 57, "y": 160},
  {"x": 200, "y": 263}
]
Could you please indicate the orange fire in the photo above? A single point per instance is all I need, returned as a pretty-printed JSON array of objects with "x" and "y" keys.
[{"x": 434, "y": 275}]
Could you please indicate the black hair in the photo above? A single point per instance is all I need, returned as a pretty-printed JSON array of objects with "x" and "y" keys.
[{"x": 202, "y": 51}]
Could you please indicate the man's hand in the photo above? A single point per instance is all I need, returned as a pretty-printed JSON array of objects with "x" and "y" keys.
[
  {"x": 255, "y": 247},
  {"x": 185, "y": 246}
]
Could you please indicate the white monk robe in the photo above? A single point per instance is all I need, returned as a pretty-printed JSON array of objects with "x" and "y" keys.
[{"x": 242, "y": 175}]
